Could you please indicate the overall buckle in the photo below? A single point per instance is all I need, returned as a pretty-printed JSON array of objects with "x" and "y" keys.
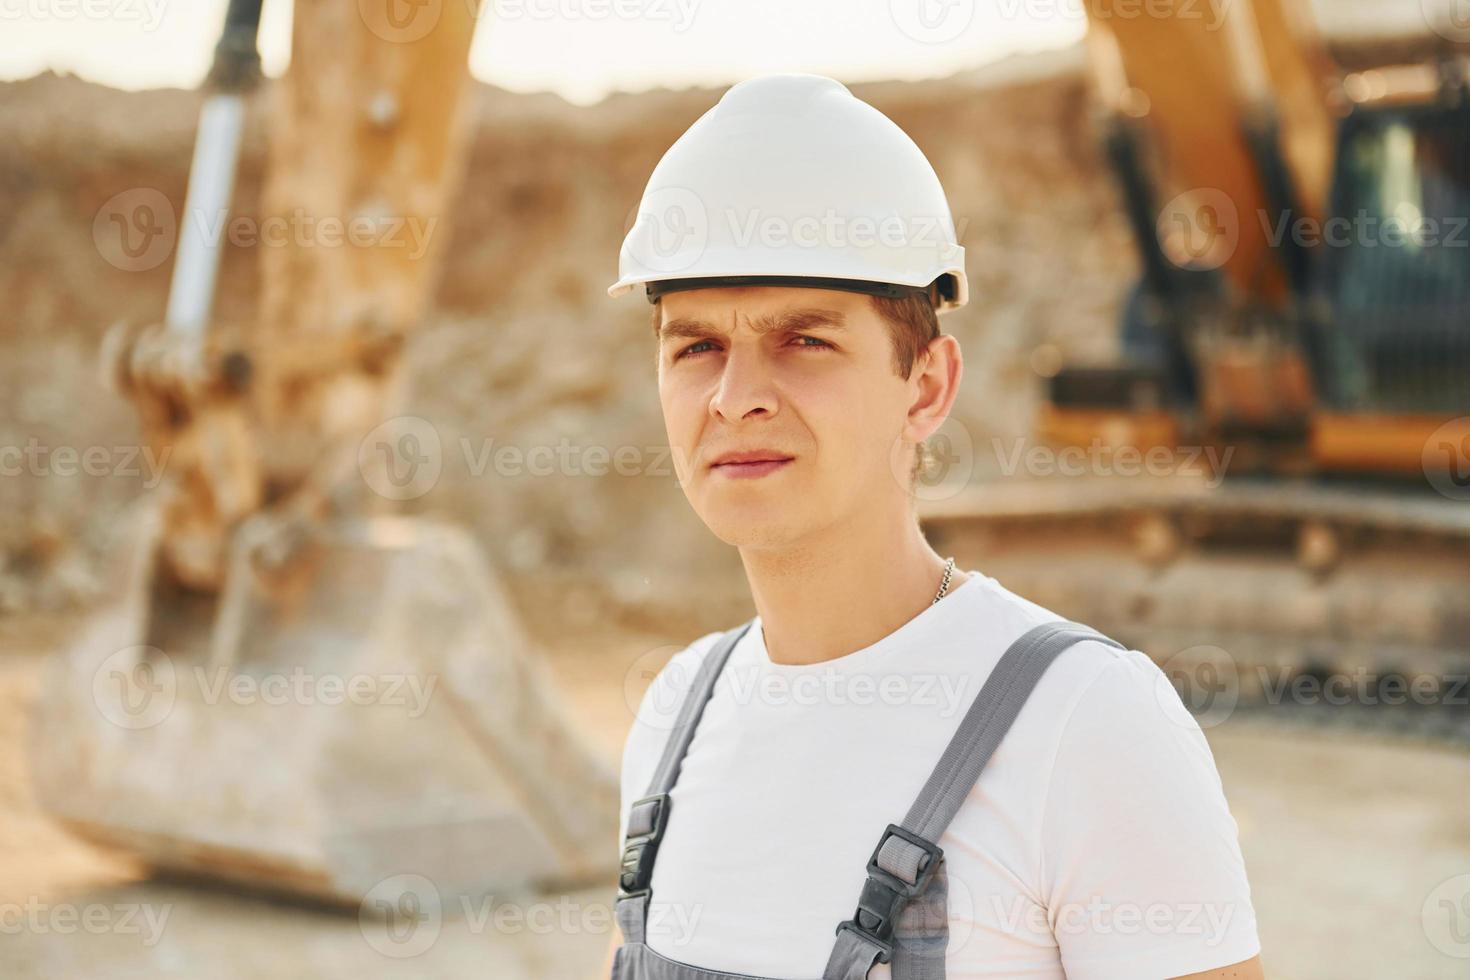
[
  {"x": 884, "y": 894},
  {"x": 636, "y": 873}
]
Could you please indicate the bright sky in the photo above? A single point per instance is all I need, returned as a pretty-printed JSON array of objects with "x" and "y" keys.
[{"x": 581, "y": 49}]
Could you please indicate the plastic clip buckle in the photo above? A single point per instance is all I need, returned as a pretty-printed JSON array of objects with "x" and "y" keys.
[
  {"x": 884, "y": 894},
  {"x": 636, "y": 875}
]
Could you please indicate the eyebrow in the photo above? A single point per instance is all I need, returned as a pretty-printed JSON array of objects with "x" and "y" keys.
[{"x": 799, "y": 319}]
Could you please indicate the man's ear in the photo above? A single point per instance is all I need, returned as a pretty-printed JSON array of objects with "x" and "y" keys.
[{"x": 936, "y": 379}]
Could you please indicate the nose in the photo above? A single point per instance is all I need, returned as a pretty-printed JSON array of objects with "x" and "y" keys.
[{"x": 745, "y": 386}]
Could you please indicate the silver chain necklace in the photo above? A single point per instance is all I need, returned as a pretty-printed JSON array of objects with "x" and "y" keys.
[{"x": 944, "y": 586}]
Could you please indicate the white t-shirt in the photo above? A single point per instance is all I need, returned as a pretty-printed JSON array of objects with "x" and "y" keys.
[{"x": 1096, "y": 845}]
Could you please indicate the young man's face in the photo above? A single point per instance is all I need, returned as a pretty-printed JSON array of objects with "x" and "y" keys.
[{"x": 806, "y": 375}]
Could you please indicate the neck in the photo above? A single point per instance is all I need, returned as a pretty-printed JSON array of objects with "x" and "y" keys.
[{"x": 839, "y": 591}]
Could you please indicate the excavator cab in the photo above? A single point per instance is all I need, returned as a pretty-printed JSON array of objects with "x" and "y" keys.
[{"x": 1394, "y": 286}]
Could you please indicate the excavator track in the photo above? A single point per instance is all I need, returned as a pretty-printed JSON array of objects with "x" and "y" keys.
[{"x": 1304, "y": 602}]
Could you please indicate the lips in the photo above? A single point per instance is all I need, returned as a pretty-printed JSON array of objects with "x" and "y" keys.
[
  {"x": 751, "y": 457},
  {"x": 750, "y": 464}
]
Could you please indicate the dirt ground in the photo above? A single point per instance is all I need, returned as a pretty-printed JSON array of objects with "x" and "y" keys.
[{"x": 1346, "y": 837}]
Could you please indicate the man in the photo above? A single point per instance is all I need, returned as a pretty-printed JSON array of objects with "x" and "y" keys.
[{"x": 800, "y": 367}]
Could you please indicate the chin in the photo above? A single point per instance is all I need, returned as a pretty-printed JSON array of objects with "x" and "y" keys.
[{"x": 753, "y": 524}]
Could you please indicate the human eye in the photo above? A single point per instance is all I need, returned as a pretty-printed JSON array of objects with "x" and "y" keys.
[
  {"x": 820, "y": 343},
  {"x": 689, "y": 349}
]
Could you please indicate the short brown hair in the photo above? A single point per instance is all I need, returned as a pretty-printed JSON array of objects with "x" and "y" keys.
[{"x": 912, "y": 326}]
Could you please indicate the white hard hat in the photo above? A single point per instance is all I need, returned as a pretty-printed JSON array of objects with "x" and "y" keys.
[{"x": 790, "y": 179}]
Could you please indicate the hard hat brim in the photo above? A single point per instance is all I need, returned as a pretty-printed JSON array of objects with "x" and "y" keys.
[{"x": 949, "y": 290}]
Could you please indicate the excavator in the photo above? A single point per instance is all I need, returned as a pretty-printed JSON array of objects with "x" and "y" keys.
[
  {"x": 295, "y": 689},
  {"x": 1270, "y": 482}
]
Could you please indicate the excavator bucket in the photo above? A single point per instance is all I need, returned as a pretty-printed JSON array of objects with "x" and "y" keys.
[
  {"x": 374, "y": 712},
  {"x": 289, "y": 693}
]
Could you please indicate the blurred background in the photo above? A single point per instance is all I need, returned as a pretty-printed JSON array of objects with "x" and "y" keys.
[{"x": 338, "y": 534}]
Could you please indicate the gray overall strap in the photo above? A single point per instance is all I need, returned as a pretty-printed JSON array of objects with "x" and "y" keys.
[
  {"x": 648, "y": 816},
  {"x": 907, "y": 866}
]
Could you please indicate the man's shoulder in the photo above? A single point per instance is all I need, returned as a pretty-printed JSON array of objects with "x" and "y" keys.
[
  {"x": 1093, "y": 685},
  {"x": 1011, "y": 616}
]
